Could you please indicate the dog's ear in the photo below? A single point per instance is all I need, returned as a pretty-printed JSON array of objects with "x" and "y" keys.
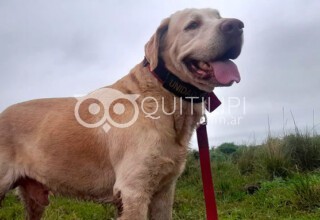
[{"x": 151, "y": 49}]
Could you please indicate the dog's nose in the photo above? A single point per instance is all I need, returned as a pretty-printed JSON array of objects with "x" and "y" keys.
[{"x": 232, "y": 26}]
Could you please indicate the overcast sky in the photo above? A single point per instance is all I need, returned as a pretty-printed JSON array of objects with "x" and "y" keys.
[{"x": 65, "y": 48}]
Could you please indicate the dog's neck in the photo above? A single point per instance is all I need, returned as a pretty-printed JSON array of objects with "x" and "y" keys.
[
  {"x": 191, "y": 100},
  {"x": 175, "y": 85},
  {"x": 171, "y": 115}
]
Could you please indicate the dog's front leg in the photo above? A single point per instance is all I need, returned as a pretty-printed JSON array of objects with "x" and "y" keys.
[
  {"x": 131, "y": 193},
  {"x": 136, "y": 184},
  {"x": 130, "y": 204},
  {"x": 162, "y": 202}
]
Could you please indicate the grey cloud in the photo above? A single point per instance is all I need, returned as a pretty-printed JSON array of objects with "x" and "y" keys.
[{"x": 63, "y": 48}]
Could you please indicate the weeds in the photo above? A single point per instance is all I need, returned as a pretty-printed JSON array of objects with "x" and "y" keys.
[
  {"x": 275, "y": 160},
  {"x": 281, "y": 157},
  {"x": 246, "y": 160},
  {"x": 287, "y": 168},
  {"x": 304, "y": 151},
  {"x": 307, "y": 190}
]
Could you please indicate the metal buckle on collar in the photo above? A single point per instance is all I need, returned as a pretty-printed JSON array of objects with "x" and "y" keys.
[{"x": 203, "y": 120}]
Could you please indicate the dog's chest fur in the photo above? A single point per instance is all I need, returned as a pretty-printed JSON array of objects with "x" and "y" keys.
[{"x": 166, "y": 135}]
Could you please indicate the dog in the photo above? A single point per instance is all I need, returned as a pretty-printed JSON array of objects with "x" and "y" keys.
[{"x": 134, "y": 159}]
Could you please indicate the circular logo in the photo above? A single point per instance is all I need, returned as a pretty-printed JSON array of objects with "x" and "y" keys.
[{"x": 106, "y": 97}]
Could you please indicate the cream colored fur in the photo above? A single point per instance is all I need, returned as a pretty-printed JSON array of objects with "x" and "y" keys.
[{"x": 135, "y": 167}]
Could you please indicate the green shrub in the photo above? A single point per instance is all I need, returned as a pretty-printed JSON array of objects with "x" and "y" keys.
[
  {"x": 227, "y": 148},
  {"x": 307, "y": 190},
  {"x": 304, "y": 151},
  {"x": 228, "y": 180},
  {"x": 246, "y": 159},
  {"x": 275, "y": 160},
  {"x": 216, "y": 155}
]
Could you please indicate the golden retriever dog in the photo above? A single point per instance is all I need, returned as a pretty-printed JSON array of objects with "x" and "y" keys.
[{"x": 134, "y": 157}]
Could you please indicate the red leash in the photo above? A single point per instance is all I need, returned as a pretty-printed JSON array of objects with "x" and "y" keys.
[
  {"x": 211, "y": 206},
  {"x": 202, "y": 136}
]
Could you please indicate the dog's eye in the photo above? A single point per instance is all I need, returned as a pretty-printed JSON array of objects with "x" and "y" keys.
[{"x": 192, "y": 25}]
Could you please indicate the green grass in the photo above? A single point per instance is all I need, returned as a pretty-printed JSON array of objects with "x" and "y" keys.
[
  {"x": 290, "y": 186},
  {"x": 60, "y": 208}
]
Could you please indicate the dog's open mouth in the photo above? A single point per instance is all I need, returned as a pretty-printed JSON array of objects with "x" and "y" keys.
[{"x": 223, "y": 71}]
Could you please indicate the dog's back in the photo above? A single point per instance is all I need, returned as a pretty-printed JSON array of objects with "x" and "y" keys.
[{"x": 38, "y": 140}]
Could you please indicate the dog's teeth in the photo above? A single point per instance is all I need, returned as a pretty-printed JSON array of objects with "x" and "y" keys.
[
  {"x": 201, "y": 72},
  {"x": 204, "y": 65}
]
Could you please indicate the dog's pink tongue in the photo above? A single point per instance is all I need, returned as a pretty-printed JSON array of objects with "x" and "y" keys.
[{"x": 226, "y": 72}]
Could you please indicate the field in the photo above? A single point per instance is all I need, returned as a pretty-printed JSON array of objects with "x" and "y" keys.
[{"x": 279, "y": 179}]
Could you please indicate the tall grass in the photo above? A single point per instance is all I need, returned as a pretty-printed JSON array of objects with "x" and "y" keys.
[
  {"x": 307, "y": 190},
  {"x": 288, "y": 169},
  {"x": 304, "y": 151},
  {"x": 245, "y": 159},
  {"x": 275, "y": 159},
  {"x": 280, "y": 157}
]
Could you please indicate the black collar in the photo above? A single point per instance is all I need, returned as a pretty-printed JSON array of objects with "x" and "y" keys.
[{"x": 175, "y": 85}]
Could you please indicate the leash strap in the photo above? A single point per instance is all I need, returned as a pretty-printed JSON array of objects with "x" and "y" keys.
[
  {"x": 212, "y": 103},
  {"x": 208, "y": 190}
]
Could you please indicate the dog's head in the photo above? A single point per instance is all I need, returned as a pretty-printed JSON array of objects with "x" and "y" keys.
[{"x": 197, "y": 45}]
